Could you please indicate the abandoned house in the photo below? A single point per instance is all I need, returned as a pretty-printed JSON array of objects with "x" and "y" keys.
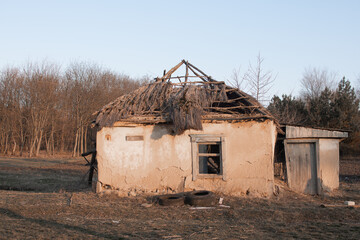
[
  {"x": 309, "y": 157},
  {"x": 186, "y": 132}
]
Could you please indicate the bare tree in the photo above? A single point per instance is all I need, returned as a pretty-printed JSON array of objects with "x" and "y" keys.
[
  {"x": 41, "y": 86},
  {"x": 260, "y": 81},
  {"x": 43, "y": 108},
  {"x": 236, "y": 79},
  {"x": 315, "y": 81},
  {"x": 10, "y": 102},
  {"x": 89, "y": 88}
]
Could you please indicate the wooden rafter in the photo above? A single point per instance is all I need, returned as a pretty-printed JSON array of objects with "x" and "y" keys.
[
  {"x": 205, "y": 96},
  {"x": 196, "y": 71},
  {"x": 170, "y": 72},
  {"x": 187, "y": 71},
  {"x": 198, "y": 75}
]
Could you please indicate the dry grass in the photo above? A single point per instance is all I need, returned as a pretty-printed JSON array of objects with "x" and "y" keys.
[{"x": 73, "y": 211}]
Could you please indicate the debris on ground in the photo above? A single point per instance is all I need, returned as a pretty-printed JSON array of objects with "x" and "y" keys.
[
  {"x": 42, "y": 208},
  {"x": 349, "y": 203}
]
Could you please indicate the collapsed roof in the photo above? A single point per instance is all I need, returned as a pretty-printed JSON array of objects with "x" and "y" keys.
[{"x": 184, "y": 103}]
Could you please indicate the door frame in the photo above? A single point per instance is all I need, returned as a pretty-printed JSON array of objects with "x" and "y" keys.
[{"x": 317, "y": 160}]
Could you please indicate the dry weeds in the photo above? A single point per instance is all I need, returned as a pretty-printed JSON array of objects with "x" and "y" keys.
[{"x": 60, "y": 206}]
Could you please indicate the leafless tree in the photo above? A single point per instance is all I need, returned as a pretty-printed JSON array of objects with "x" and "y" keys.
[
  {"x": 11, "y": 126},
  {"x": 41, "y": 86},
  {"x": 315, "y": 80},
  {"x": 44, "y": 108},
  {"x": 260, "y": 81},
  {"x": 237, "y": 79},
  {"x": 90, "y": 87}
]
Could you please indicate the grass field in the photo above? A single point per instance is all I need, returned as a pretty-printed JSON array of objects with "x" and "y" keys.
[{"x": 49, "y": 198}]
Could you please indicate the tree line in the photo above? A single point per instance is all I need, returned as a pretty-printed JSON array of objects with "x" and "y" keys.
[
  {"x": 322, "y": 103},
  {"x": 44, "y": 107},
  {"x": 325, "y": 101}
]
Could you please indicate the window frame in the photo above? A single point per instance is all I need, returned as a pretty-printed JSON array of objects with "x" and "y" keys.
[{"x": 197, "y": 139}]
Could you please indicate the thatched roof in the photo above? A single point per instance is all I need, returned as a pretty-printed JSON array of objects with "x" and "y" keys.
[{"x": 185, "y": 103}]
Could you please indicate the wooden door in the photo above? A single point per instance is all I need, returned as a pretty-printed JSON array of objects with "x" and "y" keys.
[{"x": 302, "y": 167}]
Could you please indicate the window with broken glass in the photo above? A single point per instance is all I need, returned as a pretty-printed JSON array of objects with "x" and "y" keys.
[{"x": 208, "y": 156}]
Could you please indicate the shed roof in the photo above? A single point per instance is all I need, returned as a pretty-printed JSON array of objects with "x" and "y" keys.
[
  {"x": 185, "y": 103},
  {"x": 308, "y": 132}
]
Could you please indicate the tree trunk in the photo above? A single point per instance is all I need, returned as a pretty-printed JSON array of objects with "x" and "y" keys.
[
  {"x": 32, "y": 146},
  {"x": 39, "y": 143},
  {"x": 81, "y": 150},
  {"x": 62, "y": 138},
  {"x": 21, "y": 148},
  {"x": 75, "y": 144},
  {"x": 52, "y": 144},
  {"x": 14, "y": 148},
  {"x": 85, "y": 139},
  {"x": 47, "y": 141},
  {"x": 1, "y": 142},
  {"x": 6, "y": 144}
]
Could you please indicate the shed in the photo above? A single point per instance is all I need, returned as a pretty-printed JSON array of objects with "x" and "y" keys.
[
  {"x": 312, "y": 158},
  {"x": 186, "y": 132}
]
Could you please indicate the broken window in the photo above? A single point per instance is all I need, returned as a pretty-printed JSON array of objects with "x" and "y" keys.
[{"x": 208, "y": 156}]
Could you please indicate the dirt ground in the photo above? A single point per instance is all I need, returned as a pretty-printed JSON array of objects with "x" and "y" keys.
[{"x": 49, "y": 198}]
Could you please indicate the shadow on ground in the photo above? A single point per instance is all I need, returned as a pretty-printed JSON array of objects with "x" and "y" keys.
[{"x": 43, "y": 175}]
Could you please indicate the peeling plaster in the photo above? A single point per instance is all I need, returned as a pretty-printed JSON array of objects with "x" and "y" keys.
[{"x": 163, "y": 162}]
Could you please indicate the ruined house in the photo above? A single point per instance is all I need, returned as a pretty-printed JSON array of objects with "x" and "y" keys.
[{"x": 186, "y": 132}]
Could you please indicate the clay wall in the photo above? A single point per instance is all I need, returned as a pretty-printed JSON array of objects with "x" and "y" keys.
[{"x": 148, "y": 158}]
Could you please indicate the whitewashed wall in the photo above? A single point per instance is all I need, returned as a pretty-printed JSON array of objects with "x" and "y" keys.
[{"x": 164, "y": 162}]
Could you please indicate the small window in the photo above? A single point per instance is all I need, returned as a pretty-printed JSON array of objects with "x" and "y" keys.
[{"x": 208, "y": 156}]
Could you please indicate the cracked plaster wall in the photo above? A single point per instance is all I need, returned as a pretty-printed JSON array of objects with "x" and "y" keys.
[{"x": 162, "y": 161}]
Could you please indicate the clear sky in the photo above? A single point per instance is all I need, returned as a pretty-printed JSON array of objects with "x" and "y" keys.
[{"x": 145, "y": 37}]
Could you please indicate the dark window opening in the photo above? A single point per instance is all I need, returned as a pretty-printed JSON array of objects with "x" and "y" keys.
[
  {"x": 209, "y": 148},
  {"x": 279, "y": 159},
  {"x": 209, "y": 158}
]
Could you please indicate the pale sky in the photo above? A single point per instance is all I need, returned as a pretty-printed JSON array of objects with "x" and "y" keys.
[{"x": 145, "y": 37}]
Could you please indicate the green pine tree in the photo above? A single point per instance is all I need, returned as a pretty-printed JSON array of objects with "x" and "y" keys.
[{"x": 345, "y": 107}]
